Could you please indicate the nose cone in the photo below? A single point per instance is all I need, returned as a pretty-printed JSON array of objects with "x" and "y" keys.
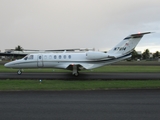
[
  {"x": 10, "y": 64},
  {"x": 7, "y": 65}
]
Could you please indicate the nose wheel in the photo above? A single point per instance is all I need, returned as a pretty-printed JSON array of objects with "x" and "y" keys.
[{"x": 19, "y": 72}]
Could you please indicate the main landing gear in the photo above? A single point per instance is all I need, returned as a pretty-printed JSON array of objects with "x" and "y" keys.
[
  {"x": 75, "y": 71},
  {"x": 75, "y": 74},
  {"x": 19, "y": 72}
]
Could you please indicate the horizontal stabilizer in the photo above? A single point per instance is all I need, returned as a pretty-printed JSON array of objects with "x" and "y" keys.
[
  {"x": 140, "y": 34},
  {"x": 137, "y": 35}
]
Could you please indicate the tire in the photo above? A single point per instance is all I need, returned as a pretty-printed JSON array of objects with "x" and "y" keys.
[{"x": 19, "y": 72}]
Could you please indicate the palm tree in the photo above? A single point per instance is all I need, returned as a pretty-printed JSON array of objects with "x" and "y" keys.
[
  {"x": 156, "y": 54},
  {"x": 18, "y": 48},
  {"x": 146, "y": 54}
]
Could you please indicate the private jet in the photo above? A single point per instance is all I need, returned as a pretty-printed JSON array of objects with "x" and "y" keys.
[{"x": 77, "y": 61}]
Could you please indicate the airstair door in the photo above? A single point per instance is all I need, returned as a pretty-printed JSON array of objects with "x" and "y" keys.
[{"x": 40, "y": 61}]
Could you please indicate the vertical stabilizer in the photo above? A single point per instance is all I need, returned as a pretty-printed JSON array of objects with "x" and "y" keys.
[{"x": 127, "y": 45}]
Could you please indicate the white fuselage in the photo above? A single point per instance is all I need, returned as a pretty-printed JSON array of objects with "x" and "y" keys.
[{"x": 61, "y": 60}]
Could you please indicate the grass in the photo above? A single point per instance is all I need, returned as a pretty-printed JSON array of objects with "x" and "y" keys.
[{"x": 59, "y": 85}]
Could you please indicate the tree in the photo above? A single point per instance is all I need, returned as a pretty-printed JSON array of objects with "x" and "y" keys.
[
  {"x": 156, "y": 54},
  {"x": 135, "y": 55},
  {"x": 146, "y": 54},
  {"x": 18, "y": 48}
]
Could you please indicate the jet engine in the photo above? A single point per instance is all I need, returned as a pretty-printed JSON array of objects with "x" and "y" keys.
[{"x": 91, "y": 55}]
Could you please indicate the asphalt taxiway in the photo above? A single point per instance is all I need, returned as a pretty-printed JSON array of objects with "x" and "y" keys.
[
  {"x": 80, "y": 105},
  {"x": 83, "y": 76}
]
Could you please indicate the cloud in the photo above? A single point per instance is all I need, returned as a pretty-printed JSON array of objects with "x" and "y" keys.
[{"x": 58, "y": 24}]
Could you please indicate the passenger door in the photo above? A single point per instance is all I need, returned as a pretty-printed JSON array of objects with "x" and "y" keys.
[{"x": 40, "y": 61}]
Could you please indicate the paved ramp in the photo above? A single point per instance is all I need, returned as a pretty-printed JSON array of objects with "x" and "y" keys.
[
  {"x": 81, "y": 105},
  {"x": 83, "y": 76}
]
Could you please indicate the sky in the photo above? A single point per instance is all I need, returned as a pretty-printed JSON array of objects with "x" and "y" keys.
[{"x": 68, "y": 24}]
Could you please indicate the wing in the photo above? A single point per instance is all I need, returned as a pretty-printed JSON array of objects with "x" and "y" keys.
[{"x": 80, "y": 66}]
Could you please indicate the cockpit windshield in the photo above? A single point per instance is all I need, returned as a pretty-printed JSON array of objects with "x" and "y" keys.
[
  {"x": 29, "y": 57},
  {"x": 26, "y": 57}
]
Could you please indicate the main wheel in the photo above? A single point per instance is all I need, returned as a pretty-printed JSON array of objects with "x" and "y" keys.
[
  {"x": 19, "y": 72},
  {"x": 76, "y": 74}
]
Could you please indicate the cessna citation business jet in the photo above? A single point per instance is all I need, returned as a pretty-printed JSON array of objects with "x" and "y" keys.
[{"x": 78, "y": 61}]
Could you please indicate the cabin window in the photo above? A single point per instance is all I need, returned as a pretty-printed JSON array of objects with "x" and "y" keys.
[
  {"x": 40, "y": 57},
  {"x": 30, "y": 57},
  {"x": 60, "y": 56},
  {"x": 69, "y": 56},
  {"x": 45, "y": 57},
  {"x": 55, "y": 57},
  {"x": 64, "y": 56},
  {"x": 50, "y": 57}
]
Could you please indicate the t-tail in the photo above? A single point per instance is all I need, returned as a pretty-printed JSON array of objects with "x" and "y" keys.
[{"x": 126, "y": 46}]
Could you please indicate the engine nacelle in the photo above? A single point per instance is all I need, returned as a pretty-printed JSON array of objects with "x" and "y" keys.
[{"x": 91, "y": 55}]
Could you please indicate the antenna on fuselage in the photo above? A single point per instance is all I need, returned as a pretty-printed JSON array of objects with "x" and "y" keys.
[{"x": 64, "y": 51}]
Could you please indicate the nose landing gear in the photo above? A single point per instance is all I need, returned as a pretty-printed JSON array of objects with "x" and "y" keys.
[{"x": 19, "y": 72}]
